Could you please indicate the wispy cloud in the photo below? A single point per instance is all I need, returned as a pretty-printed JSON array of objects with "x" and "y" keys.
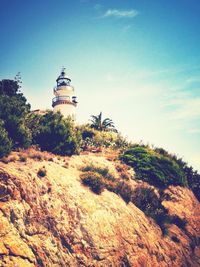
[
  {"x": 185, "y": 108},
  {"x": 195, "y": 79},
  {"x": 120, "y": 13}
]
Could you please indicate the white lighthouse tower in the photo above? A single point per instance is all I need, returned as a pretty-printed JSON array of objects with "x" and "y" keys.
[{"x": 64, "y": 100}]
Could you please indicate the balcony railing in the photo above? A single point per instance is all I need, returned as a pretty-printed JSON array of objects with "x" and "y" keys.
[{"x": 63, "y": 100}]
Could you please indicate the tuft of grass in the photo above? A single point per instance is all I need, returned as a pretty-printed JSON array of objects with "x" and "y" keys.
[
  {"x": 175, "y": 239},
  {"x": 124, "y": 190},
  {"x": 42, "y": 172},
  {"x": 93, "y": 180},
  {"x": 145, "y": 198},
  {"x": 23, "y": 158},
  {"x": 181, "y": 223},
  {"x": 104, "y": 171}
]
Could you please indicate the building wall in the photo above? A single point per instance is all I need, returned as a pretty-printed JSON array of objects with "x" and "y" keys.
[
  {"x": 66, "y": 110},
  {"x": 65, "y": 90}
]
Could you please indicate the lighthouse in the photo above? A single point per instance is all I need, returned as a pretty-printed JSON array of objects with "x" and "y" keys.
[{"x": 64, "y": 100}]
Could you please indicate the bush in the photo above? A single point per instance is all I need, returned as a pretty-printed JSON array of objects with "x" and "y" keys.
[
  {"x": 181, "y": 223},
  {"x": 94, "y": 181},
  {"x": 175, "y": 239},
  {"x": 124, "y": 190},
  {"x": 13, "y": 112},
  {"x": 104, "y": 171},
  {"x": 95, "y": 138},
  {"x": 42, "y": 172},
  {"x": 23, "y": 158},
  {"x": 147, "y": 200},
  {"x": 154, "y": 168},
  {"x": 5, "y": 142},
  {"x": 193, "y": 178},
  {"x": 86, "y": 132},
  {"x": 100, "y": 176},
  {"x": 57, "y": 134}
]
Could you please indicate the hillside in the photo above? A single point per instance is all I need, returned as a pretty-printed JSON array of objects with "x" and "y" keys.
[{"x": 50, "y": 218}]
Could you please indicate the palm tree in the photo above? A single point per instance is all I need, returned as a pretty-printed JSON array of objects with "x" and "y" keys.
[{"x": 102, "y": 125}]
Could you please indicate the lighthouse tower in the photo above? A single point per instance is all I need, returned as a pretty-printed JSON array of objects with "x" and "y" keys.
[{"x": 64, "y": 100}]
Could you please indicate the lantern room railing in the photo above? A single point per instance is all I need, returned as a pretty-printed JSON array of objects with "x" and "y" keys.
[{"x": 63, "y": 100}]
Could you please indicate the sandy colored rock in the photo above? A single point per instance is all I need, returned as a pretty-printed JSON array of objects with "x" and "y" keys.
[{"x": 56, "y": 221}]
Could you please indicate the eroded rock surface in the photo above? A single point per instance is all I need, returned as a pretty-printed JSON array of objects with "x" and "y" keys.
[{"x": 55, "y": 221}]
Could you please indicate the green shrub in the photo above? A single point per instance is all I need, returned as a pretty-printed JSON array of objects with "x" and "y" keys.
[
  {"x": 93, "y": 180},
  {"x": 57, "y": 134},
  {"x": 181, "y": 223},
  {"x": 42, "y": 172},
  {"x": 5, "y": 142},
  {"x": 104, "y": 171},
  {"x": 86, "y": 131},
  {"x": 154, "y": 168},
  {"x": 147, "y": 200},
  {"x": 95, "y": 138},
  {"x": 151, "y": 204},
  {"x": 124, "y": 190},
  {"x": 23, "y": 158},
  {"x": 193, "y": 178},
  {"x": 175, "y": 239},
  {"x": 13, "y": 112}
]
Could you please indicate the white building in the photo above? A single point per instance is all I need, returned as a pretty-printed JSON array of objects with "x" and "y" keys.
[{"x": 64, "y": 100}]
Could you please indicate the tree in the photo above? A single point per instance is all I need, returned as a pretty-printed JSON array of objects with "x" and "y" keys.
[
  {"x": 102, "y": 125},
  {"x": 57, "y": 134},
  {"x": 13, "y": 112},
  {"x": 5, "y": 142}
]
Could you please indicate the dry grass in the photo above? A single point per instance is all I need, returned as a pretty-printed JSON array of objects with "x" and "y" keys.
[{"x": 31, "y": 153}]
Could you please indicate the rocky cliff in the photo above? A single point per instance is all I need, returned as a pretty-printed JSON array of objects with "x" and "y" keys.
[{"x": 53, "y": 220}]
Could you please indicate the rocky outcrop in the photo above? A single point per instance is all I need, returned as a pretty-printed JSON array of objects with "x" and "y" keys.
[{"x": 56, "y": 221}]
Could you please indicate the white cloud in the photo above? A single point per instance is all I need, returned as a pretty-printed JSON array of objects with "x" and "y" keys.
[
  {"x": 121, "y": 13},
  {"x": 188, "y": 108}
]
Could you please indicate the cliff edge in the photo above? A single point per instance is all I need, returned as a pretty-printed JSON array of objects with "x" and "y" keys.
[{"x": 54, "y": 220}]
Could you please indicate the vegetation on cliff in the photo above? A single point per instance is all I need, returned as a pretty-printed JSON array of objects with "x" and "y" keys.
[
  {"x": 20, "y": 128},
  {"x": 13, "y": 111},
  {"x": 158, "y": 169},
  {"x": 144, "y": 197}
]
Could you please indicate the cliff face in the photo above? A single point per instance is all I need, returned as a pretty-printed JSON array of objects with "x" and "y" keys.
[{"x": 56, "y": 221}]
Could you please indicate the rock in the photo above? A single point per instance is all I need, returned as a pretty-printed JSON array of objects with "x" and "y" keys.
[{"x": 56, "y": 221}]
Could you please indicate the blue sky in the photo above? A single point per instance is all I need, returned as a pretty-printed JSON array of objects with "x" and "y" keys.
[{"x": 137, "y": 61}]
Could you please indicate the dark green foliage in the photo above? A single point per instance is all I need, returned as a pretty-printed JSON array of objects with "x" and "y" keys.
[
  {"x": 5, "y": 142},
  {"x": 175, "y": 239},
  {"x": 181, "y": 223},
  {"x": 148, "y": 201},
  {"x": 42, "y": 172},
  {"x": 94, "y": 181},
  {"x": 8, "y": 87},
  {"x": 13, "y": 112},
  {"x": 56, "y": 134},
  {"x": 87, "y": 132},
  {"x": 104, "y": 171},
  {"x": 154, "y": 168},
  {"x": 145, "y": 198},
  {"x": 102, "y": 125},
  {"x": 124, "y": 190},
  {"x": 151, "y": 204},
  {"x": 193, "y": 178}
]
